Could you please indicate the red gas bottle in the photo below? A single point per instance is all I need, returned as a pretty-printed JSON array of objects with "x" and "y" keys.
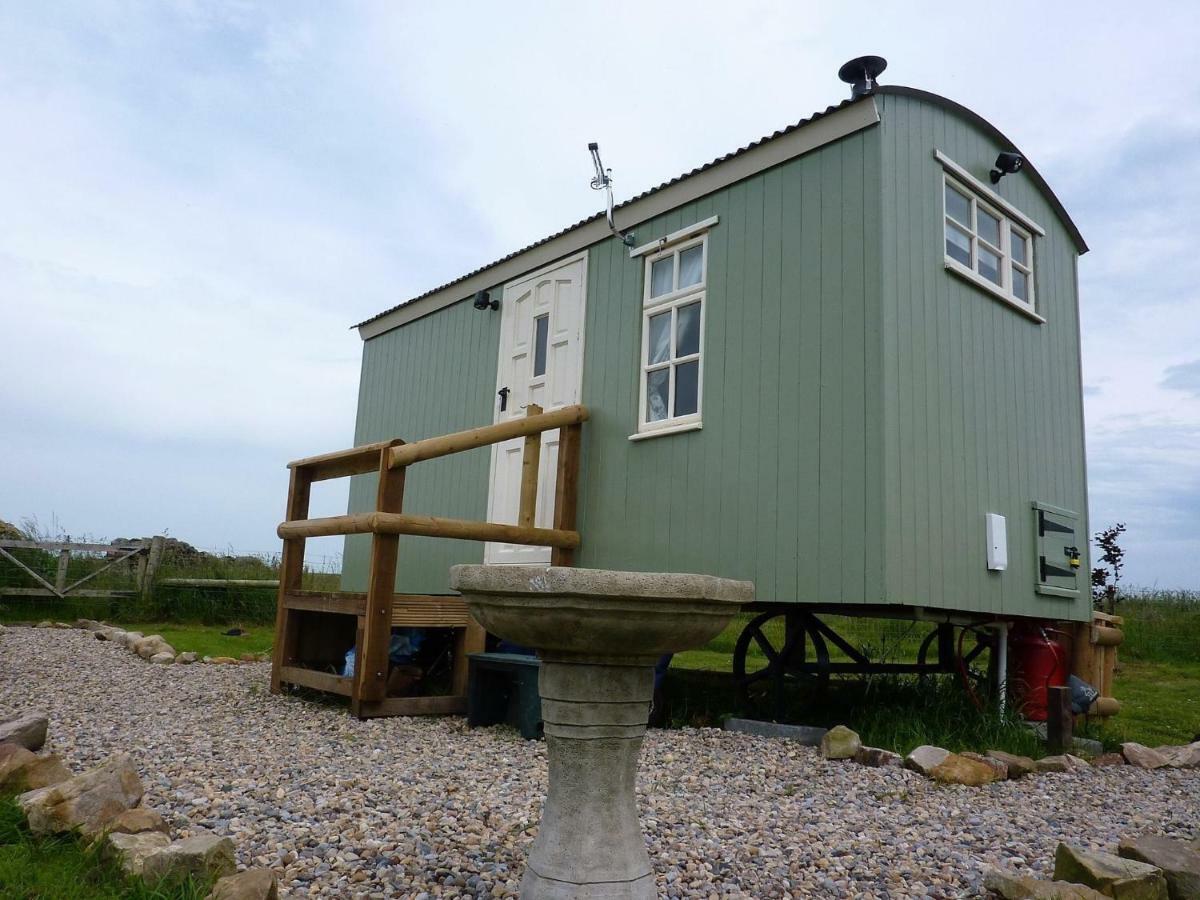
[{"x": 1036, "y": 661}]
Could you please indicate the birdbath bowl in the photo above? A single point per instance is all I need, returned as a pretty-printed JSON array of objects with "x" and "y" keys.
[{"x": 599, "y": 634}]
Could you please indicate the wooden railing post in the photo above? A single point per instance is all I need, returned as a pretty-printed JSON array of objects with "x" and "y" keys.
[
  {"x": 531, "y": 459},
  {"x": 566, "y": 489},
  {"x": 371, "y": 658},
  {"x": 154, "y": 558},
  {"x": 60, "y": 575},
  {"x": 291, "y": 574}
]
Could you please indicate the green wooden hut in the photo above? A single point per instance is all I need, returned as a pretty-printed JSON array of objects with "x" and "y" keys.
[{"x": 842, "y": 362}]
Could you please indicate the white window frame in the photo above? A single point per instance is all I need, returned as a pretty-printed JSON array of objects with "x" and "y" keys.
[
  {"x": 671, "y": 302},
  {"x": 1011, "y": 219}
]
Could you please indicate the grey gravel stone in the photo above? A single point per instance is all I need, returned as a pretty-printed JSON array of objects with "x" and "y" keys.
[{"x": 725, "y": 814}]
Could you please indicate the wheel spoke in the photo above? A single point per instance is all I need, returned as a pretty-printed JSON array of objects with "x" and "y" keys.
[{"x": 765, "y": 646}]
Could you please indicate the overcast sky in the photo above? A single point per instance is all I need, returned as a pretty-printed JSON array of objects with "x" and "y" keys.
[{"x": 198, "y": 199}]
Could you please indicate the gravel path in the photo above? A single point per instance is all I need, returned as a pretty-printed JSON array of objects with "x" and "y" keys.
[{"x": 425, "y": 808}]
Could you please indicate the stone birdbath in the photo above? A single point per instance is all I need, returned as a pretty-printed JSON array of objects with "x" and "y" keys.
[{"x": 599, "y": 634}]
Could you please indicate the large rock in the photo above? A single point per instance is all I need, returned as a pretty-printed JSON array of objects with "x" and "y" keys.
[
  {"x": 204, "y": 855},
  {"x": 186, "y": 658},
  {"x": 166, "y": 658},
  {"x": 1064, "y": 763},
  {"x": 116, "y": 635},
  {"x": 87, "y": 802},
  {"x": 923, "y": 759},
  {"x": 1018, "y": 766},
  {"x": 1124, "y": 879},
  {"x": 253, "y": 884},
  {"x": 1108, "y": 759},
  {"x": 1025, "y": 887},
  {"x": 839, "y": 742},
  {"x": 877, "y": 758},
  {"x": 90, "y": 625},
  {"x": 1142, "y": 756},
  {"x": 132, "y": 850},
  {"x": 1185, "y": 757},
  {"x": 1180, "y": 864},
  {"x": 151, "y": 646},
  {"x": 138, "y": 821},
  {"x": 957, "y": 769},
  {"x": 27, "y": 729},
  {"x": 129, "y": 639},
  {"x": 22, "y": 770},
  {"x": 999, "y": 766}
]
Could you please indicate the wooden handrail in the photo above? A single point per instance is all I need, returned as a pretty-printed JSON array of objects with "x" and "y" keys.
[
  {"x": 340, "y": 463},
  {"x": 432, "y": 448},
  {"x": 428, "y": 526}
]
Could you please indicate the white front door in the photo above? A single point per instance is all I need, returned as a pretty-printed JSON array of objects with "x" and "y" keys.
[{"x": 541, "y": 361}]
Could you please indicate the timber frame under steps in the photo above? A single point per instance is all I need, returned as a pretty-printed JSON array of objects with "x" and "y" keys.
[{"x": 314, "y": 629}]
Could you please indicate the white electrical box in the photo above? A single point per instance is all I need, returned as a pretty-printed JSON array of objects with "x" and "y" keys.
[{"x": 997, "y": 542}]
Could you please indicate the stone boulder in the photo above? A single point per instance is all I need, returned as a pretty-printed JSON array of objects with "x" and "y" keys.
[
  {"x": 139, "y": 820},
  {"x": 186, "y": 658},
  {"x": 1012, "y": 886},
  {"x": 1064, "y": 763},
  {"x": 150, "y": 646},
  {"x": 1142, "y": 756},
  {"x": 998, "y": 765},
  {"x": 253, "y": 884},
  {"x": 129, "y": 639},
  {"x": 204, "y": 855},
  {"x": 223, "y": 660},
  {"x": 116, "y": 635},
  {"x": 132, "y": 850},
  {"x": 1185, "y": 757},
  {"x": 166, "y": 658},
  {"x": 1126, "y": 879},
  {"x": 1018, "y": 766},
  {"x": 877, "y": 758},
  {"x": 27, "y": 729},
  {"x": 958, "y": 769},
  {"x": 925, "y": 758},
  {"x": 90, "y": 625},
  {"x": 840, "y": 742},
  {"x": 1180, "y": 863},
  {"x": 87, "y": 802},
  {"x": 1108, "y": 759},
  {"x": 22, "y": 770}
]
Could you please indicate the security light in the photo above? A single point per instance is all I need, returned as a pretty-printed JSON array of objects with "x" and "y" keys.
[
  {"x": 1006, "y": 164},
  {"x": 483, "y": 300}
]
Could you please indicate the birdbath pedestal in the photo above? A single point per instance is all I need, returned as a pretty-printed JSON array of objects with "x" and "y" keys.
[{"x": 599, "y": 634}]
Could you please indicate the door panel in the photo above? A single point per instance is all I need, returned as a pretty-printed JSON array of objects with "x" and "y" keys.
[{"x": 540, "y": 362}]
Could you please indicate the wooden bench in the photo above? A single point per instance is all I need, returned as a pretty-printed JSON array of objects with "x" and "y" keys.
[{"x": 502, "y": 688}]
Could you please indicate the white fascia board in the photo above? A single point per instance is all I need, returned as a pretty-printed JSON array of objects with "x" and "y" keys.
[
  {"x": 831, "y": 127},
  {"x": 673, "y": 238}
]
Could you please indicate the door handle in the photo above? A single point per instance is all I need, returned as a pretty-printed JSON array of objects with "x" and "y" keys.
[{"x": 503, "y": 392}]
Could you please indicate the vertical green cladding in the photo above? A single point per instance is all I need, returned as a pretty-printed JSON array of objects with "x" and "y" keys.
[
  {"x": 433, "y": 376},
  {"x": 783, "y": 485},
  {"x": 982, "y": 406}
]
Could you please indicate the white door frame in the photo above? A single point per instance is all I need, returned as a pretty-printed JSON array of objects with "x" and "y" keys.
[{"x": 490, "y": 548}]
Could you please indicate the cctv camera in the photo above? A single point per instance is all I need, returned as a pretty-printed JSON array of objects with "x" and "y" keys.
[
  {"x": 483, "y": 300},
  {"x": 1006, "y": 164}
]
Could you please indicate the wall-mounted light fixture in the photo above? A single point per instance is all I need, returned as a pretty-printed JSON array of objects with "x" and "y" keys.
[
  {"x": 483, "y": 300},
  {"x": 1006, "y": 164}
]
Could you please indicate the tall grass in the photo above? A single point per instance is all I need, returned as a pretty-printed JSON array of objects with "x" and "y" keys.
[{"x": 1160, "y": 626}]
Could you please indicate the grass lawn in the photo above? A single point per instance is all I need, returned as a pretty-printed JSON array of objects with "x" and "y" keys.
[
  {"x": 208, "y": 640},
  {"x": 60, "y": 868},
  {"x": 1160, "y": 702}
]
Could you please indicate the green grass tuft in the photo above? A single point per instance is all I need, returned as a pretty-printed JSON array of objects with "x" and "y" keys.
[{"x": 62, "y": 868}]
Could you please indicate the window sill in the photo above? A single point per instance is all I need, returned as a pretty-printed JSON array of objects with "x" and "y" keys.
[
  {"x": 953, "y": 265},
  {"x": 669, "y": 429}
]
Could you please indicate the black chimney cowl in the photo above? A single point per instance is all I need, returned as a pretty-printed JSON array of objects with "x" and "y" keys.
[{"x": 861, "y": 73}]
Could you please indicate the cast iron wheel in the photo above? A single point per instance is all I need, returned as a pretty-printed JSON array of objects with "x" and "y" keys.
[
  {"x": 786, "y": 672},
  {"x": 965, "y": 663}
]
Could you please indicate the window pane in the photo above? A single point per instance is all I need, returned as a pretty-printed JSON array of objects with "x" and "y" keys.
[
  {"x": 687, "y": 327},
  {"x": 989, "y": 227},
  {"x": 958, "y": 244},
  {"x": 657, "y": 386},
  {"x": 989, "y": 265},
  {"x": 1020, "y": 285},
  {"x": 957, "y": 206},
  {"x": 662, "y": 275},
  {"x": 660, "y": 339},
  {"x": 687, "y": 384},
  {"x": 1018, "y": 248},
  {"x": 691, "y": 266},
  {"x": 541, "y": 334}
]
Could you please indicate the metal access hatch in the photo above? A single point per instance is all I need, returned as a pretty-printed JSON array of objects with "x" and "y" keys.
[{"x": 1059, "y": 552}]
